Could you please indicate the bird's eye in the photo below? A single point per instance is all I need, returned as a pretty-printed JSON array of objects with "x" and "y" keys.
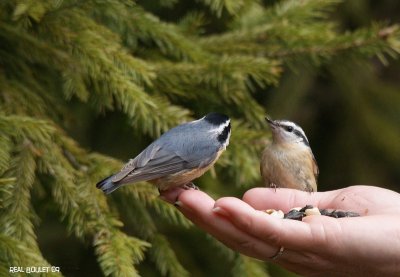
[{"x": 289, "y": 128}]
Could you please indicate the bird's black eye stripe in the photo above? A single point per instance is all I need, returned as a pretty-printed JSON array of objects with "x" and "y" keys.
[
  {"x": 299, "y": 134},
  {"x": 224, "y": 134}
]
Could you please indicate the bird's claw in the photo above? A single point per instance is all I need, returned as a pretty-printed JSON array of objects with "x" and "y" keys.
[
  {"x": 274, "y": 186},
  {"x": 190, "y": 186}
]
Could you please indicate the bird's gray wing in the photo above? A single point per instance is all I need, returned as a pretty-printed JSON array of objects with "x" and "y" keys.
[
  {"x": 141, "y": 160},
  {"x": 315, "y": 166},
  {"x": 156, "y": 161},
  {"x": 153, "y": 171}
]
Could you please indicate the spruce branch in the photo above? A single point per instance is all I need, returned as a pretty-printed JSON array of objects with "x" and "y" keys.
[
  {"x": 238, "y": 157},
  {"x": 14, "y": 252},
  {"x": 118, "y": 78},
  {"x": 136, "y": 198},
  {"x": 17, "y": 221},
  {"x": 14, "y": 41},
  {"x": 16, "y": 96},
  {"x": 164, "y": 258},
  {"x": 257, "y": 26},
  {"x": 26, "y": 128},
  {"x": 89, "y": 216},
  {"x": 192, "y": 24},
  {"x": 6, "y": 146},
  {"x": 160, "y": 252},
  {"x": 137, "y": 215},
  {"x": 116, "y": 252},
  {"x": 233, "y": 7},
  {"x": 166, "y": 37},
  {"x": 86, "y": 216},
  {"x": 298, "y": 30},
  {"x": 138, "y": 26},
  {"x": 377, "y": 40},
  {"x": 246, "y": 266},
  {"x": 305, "y": 11},
  {"x": 148, "y": 194},
  {"x": 229, "y": 77},
  {"x": 242, "y": 265}
]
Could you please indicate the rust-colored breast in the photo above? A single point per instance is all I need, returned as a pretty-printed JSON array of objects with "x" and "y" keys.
[{"x": 288, "y": 167}]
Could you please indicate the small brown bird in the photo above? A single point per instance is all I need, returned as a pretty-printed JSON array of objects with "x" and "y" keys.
[{"x": 288, "y": 162}]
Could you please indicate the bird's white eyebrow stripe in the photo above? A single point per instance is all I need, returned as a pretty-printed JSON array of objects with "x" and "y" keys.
[
  {"x": 288, "y": 123},
  {"x": 220, "y": 128},
  {"x": 297, "y": 130}
]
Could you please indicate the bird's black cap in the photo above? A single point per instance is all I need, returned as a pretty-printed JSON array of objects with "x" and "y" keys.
[{"x": 216, "y": 118}]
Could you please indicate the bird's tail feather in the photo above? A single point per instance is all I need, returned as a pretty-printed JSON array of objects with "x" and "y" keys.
[{"x": 107, "y": 186}]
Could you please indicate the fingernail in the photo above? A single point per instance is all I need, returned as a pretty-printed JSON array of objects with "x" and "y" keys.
[
  {"x": 220, "y": 211},
  {"x": 178, "y": 204}
]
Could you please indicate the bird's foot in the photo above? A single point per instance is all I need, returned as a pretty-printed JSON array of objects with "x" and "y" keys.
[
  {"x": 274, "y": 186},
  {"x": 190, "y": 186},
  {"x": 170, "y": 196}
]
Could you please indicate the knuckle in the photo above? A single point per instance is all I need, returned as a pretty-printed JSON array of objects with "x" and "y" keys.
[
  {"x": 245, "y": 223},
  {"x": 273, "y": 238},
  {"x": 245, "y": 246},
  {"x": 249, "y": 195}
]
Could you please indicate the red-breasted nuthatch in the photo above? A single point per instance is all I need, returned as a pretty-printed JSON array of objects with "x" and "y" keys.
[
  {"x": 288, "y": 161},
  {"x": 179, "y": 156}
]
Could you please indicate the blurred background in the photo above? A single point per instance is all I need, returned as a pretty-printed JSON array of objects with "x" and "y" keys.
[{"x": 86, "y": 85}]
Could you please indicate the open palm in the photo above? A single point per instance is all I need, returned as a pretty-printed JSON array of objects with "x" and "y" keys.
[{"x": 318, "y": 245}]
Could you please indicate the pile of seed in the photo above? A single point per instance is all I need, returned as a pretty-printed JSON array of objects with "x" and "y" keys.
[{"x": 300, "y": 213}]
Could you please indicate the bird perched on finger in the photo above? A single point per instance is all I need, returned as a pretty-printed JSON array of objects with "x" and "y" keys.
[
  {"x": 179, "y": 156},
  {"x": 288, "y": 161}
]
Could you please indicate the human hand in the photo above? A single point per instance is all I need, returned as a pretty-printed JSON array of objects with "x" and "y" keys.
[{"x": 318, "y": 245}]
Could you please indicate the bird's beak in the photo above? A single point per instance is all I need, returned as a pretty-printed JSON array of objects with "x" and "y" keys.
[
  {"x": 270, "y": 121},
  {"x": 272, "y": 124}
]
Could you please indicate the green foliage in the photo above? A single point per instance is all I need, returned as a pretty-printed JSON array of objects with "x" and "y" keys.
[
  {"x": 164, "y": 258},
  {"x": 231, "y": 6},
  {"x": 109, "y": 247},
  {"x": 15, "y": 253},
  {"x": 65, "y": 64},
  {"x": 243, "y": 265}
]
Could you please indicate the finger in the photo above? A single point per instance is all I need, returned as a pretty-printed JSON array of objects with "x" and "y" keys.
[
  {"x": 197, "y": 206},
  {"x": 348, "y": 199},
  {"x": 292, "y": 234},
  {"x": 281, "y": 198},
  {"x": 171, "y": 195}
]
